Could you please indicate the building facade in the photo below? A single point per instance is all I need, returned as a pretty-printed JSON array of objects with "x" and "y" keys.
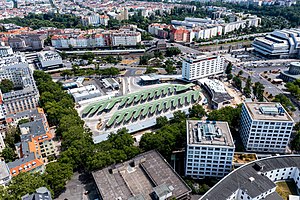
[
  {"x": 257, "y": 180},
  {"x": 279, "y": 44},
  {"x": 16, "y": 69},
  {"x": 49, "y": 60},
  {"x": 265, "y": 127},
  {"x": 197, "y": 67},
  {"x": 210, "y": 149},
  {"x": 292, "y": 74}
]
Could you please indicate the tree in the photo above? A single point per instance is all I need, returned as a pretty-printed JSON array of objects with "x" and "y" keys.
[
  {"x": 237, "y": 82},
  {"x": 285, "y": 102},
  {"x": 8, "y": 154},
  {"x": 150, "y": 70},
  {"x": 178, "y": 116},
  {"x": 25, "y": 183},
  {"x": 228, "y": 68},
  {"x": 88, "y": 55},
  {"x": 197, "y": 111},
  {"x": 161, "y": 121},
  {"x": 66, "y": 73},
  {"x": 247, "y": 88},
  {"x": 57, "y": 174},
  {"x": 295, "y": 144},
  {"x": 228, "y": 114},
  {"x": 229, "y": 76},
  {"x": 240, "y": 73},
  {"x": 297, "y": 126},
  {"x": 258, "y": 91},
  {"x": 173, "y": 51},
  {"x": 12, "y": 136},
  {"x": 6, "y": 85},
  {"x": 23, "y": 121}
]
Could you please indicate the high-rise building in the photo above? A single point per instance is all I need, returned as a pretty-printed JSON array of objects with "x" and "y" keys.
[
  {"x": 265, "y": 127},
  {"x": 209, "y": 150},
  {"x": 197, "y": 67}
]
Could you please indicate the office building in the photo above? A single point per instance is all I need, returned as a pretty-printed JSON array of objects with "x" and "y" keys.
[
  {"x": 265, "y": 127},
  {"x": 5, "y": 51},
  {"x": 257, "y": 180},
  {"x": 146, "y": 176},
  {"x": 49, "y": 60},
  {"x": 41, "y": 193},
  {"x": 5, "y": 175},
  {"x": 210, "y": 149},
  {"x": 292, "y": 74},
  {"x": 279, "y": 44},
  {"x": 199, "y": 66}
]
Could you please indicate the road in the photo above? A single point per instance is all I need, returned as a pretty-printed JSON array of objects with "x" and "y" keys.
[
  {"x": 184, "y": 49},
  {"x": 255, "y": 77}
]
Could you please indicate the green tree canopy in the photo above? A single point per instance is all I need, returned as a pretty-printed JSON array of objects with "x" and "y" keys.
[
  {"x": 197, "y": 111},
  {"x": 286, "y": 102},
  {"x": 6, "y": 85},
  {"x": 8, "y": 154},
  {"x": 173, "y": 51},
  {"x": 57, "y": 174}
]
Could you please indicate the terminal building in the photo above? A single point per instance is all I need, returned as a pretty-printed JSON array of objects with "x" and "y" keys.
[
  {"x": 210, "y": 149},
  {"x": 147, "y": 176},
  {"x": 257, "y": 180},
  {"x": 216, "y": 90},
  {"x": 49, "y": 60},
  {"x": 292, "y": 74},
  {"x": 200, "y": 66},
  {"x": 84, "y": 93},
  {"x": 265, "y": 127},
  {"x": 279, "y": 44}
]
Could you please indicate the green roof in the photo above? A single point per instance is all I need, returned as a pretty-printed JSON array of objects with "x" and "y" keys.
[
  {"x": 136, "y": 97},
  {"x": 144, "y": 109}
]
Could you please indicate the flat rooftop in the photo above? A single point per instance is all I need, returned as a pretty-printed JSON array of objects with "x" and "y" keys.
[
  {"x": 267, "y": 111},
  {"x": 209, "y": 133},
  {"x": 239, "y": 178},
  {"x": 138, "y": 178}
]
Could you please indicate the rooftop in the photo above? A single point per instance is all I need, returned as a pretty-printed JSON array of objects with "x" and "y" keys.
[
  {"x": 209, "y": 133},
  {"x": 239, "y": 178},
  {"x": 267, "y": 111},
  {"x": 138, "y": 178},
  {"x": 41, "y": 193},
  {"x": 217, "y": 90},
  {"x": 4, "y": 171},
  {"x": 24, "y": 164}
]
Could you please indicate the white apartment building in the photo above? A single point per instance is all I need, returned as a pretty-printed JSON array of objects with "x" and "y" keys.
[
  {"x": 265, "y": 127},
  {"x": 5, "y": 51},
  {"x": 197, "y": 67},
  {"x": 210, "y": 149},
  {"x": 126, "y": 38}
]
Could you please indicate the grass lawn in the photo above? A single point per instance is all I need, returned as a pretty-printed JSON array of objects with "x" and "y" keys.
[{"x": 284, "y": 189}]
